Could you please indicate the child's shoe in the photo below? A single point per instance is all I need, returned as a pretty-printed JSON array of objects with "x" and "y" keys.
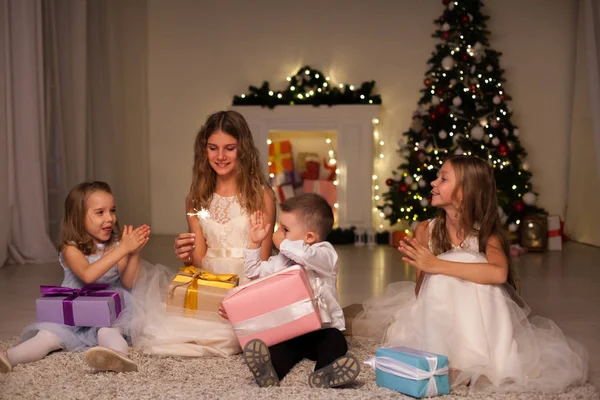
[
  {"x": 105, "y": 359},
  {"x": 5, "y": 366},
  {"x": 340, "y": 372},
  {"x": 258, "y": 359}
]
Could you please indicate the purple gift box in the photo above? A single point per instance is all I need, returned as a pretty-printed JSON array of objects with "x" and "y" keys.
[{"x": 90, "y": 306}]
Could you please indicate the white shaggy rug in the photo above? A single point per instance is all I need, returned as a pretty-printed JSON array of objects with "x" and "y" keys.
[{"x": 66, "y": 376}]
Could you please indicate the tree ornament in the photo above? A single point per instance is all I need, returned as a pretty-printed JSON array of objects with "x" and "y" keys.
[
  {"x": 403, "y": 188},
  {"x": 503, "y": 150},
  {"x": 443, "y": 135},
  {"x": 529, "y": 198},
  {"x": 525, "y": 166},
  {"x": 511, "y": 145},
  {"x": 483, "y": 121},
  {"x": 408, "y": 180},
  {"x": 489, "y": 68},
  {"x": 413, "y": 186},
  {"x": 427, "y": 82},
  {"x": 516, "y": 132},
  {"x": 512, "y": 227},
  {"x": 453, "y": 81},
  {"x": 387, "y": 210},
  {"x": 446, "y": 27},
  {"x": 477, "y": 132},
  {"x": 494, "y": 123},
  {"x": 432, "y": 116},
  {"x": 442, "y": 109},
  {"x": 519, "y": 206},
  {"x": 457, "y": 101},
  {"x": 440, "y": 92},
  {"x": 422, "y": 183},
  {"x": 445, "y": 2},
  {"x": 389, "y": 182},
  {"x": 424, "y": 203},
  {"x": 435, "y": 100},
  {"x": 445, "y": 35},
  {"x": 459, "y": 151},
  {"x": 473, "y": 88},
  {"x": 497, "y": 100},
  {"x": 465, "y": 19},
  {"x": 448, "y": 63},
  {"x": 465, "y": 57},
  {"x": 495, "y": 141}
]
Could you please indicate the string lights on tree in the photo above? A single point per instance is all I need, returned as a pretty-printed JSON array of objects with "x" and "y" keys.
[{"x": 463, "y": 110}]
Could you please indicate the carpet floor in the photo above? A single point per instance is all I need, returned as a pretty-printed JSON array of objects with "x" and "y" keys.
[{"x": 66, "y": 376}]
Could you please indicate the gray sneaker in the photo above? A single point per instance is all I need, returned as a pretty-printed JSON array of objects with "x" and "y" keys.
[
  {"x": 340, "y": 372},
  {"x": 105, "y": 359},
  {"x": 258, "y": 359}
]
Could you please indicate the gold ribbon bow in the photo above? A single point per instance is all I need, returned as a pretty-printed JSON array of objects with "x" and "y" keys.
[{"x": 191, "y": 295}]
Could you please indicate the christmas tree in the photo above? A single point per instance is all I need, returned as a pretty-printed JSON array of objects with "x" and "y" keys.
[{"x": 463, "y": 110}]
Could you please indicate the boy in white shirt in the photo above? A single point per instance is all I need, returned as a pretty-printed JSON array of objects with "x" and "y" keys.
[{"x": 304, "y": 223}]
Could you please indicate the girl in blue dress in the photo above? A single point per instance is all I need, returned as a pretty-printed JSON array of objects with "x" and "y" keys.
[{"x": 90, "y": 252}]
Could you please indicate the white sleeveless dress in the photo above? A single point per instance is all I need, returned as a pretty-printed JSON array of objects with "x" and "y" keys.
[
  {"x": 157, "y": 332},
  {"x": 487, "y": 337}
]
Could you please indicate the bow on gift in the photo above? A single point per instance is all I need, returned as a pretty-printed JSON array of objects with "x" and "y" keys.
[
  {"x": 191, "y": 295},
  {"x": 92, "y": 290}
]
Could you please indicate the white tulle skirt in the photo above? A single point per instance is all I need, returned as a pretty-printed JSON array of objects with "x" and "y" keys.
[
  {"x": 489, "y": 339},
  {"x": 154, "y": 331}
]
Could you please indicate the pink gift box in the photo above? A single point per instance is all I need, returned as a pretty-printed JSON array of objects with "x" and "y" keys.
[
  {"x": 321, "y": 187},
  {"x": 273, "y": 309}
]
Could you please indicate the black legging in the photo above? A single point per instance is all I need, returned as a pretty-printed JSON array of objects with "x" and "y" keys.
[{"x": 323, "y": 346}]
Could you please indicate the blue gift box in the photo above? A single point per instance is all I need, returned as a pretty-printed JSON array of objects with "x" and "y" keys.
[{"x": 412, "y": 372}]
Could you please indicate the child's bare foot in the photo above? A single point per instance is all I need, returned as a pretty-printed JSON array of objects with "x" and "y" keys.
[
  {"x": 5, "y": 366},
  {"x": 105, "y": 359},
  {"x": 258, "y": 359},
  {"x": 340, "y": 372}
]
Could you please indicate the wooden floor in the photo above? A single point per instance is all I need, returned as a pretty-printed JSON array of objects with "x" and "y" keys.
[{"x": 563, "y": 286}]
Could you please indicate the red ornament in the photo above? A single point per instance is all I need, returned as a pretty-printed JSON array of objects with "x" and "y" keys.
[
  {"x": 424, "y": 133},
  {"x": 440, "y": 92},
  {"x": 442, "y": 109},
  {"x": 445, "y": 2},
  {"x": 432, "y": 115},
  {"x": 473, "y": 88},
  {"x": 465, "y": 19},
  {"x": 427, "y": 82},
  {"x": 442, "y": 19},
  {"x": 502, "y": 97},
  {"x": 445, "y": 35},
  {"x": 465, "y": 57},
  {"x": 403, "y": 188},
  {"x": 503, "y": 150},
  {"x": 519, "y": 206},
  {"x": 389, "y": 182}
]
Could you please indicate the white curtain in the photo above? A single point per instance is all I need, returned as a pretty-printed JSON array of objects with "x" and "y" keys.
[
  {"x": 89, "y": 121},
  {"x": 583, "y": 213},
  {"x": 23, "y": 191}
]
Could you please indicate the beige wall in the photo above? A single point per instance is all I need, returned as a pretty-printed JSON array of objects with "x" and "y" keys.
[{"x": 201, "y": 54}]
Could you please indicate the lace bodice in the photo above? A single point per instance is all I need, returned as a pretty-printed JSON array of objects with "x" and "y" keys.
[
  {"x": 227, "y": 224},
  {"x": 470, "y": 243}
]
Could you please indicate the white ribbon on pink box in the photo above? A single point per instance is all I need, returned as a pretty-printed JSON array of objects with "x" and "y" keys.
[{"x": 274, "y": 308}]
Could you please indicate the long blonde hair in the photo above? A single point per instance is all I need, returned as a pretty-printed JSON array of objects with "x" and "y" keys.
[
  {"x": 478, "y": 210},
  {"x": 72, "y": 229},
  {"x": 250, "y": 178}
]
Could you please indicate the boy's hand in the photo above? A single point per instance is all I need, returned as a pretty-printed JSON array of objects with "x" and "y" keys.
[
  {"x": 278, "y": 237},
  {"x": 222, "y": 312},
  {"x": 258, "y": 229}
]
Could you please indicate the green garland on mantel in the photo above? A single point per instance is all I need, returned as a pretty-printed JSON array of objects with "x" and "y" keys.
[{"x": 309, "y": 86}]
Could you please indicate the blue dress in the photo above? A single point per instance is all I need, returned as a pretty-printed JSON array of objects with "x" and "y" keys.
[{"x": 78, "y": 338}]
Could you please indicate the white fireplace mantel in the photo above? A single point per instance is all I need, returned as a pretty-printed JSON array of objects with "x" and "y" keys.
[{"x": 354, "y": 127}]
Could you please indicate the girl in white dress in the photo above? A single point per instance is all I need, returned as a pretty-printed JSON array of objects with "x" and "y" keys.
[
  {"x": 227, "y": 185},
  {"x": 465, "y": 303}
]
